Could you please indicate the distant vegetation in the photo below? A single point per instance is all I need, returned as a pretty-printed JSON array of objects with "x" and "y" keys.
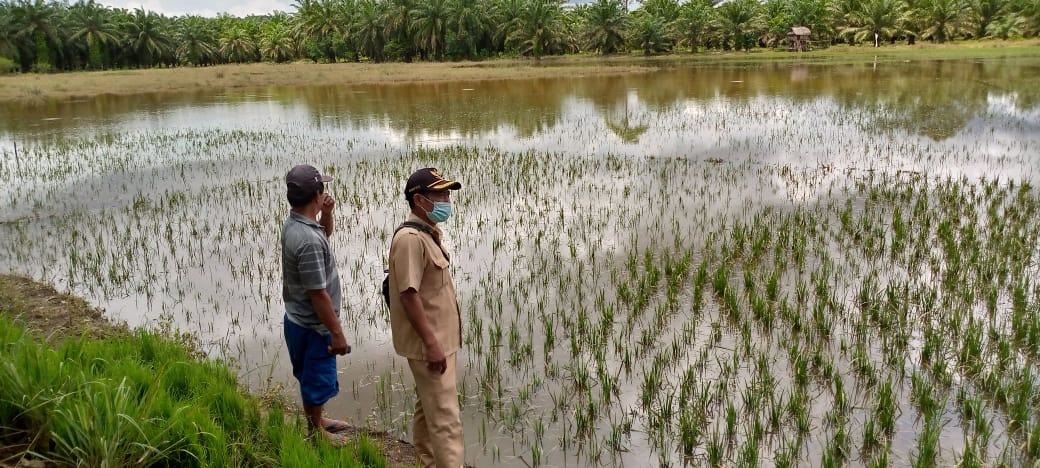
[{"x": 54, "y": 36}]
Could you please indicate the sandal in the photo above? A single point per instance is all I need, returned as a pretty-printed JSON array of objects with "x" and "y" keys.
[
  {"x": 335, "y": 440},
  {"x": 334, "y": 426}
]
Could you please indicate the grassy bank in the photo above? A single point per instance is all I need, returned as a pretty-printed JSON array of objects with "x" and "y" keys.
[
  {"x": 112, "y": 397},
  {"x": 840, "y": 54},
  {"x": 39, "y": 88}
]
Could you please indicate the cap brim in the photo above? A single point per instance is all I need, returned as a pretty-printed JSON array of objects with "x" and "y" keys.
[
  {"x": 445, "y": 185},
  {"x": 326, "y": 178}
]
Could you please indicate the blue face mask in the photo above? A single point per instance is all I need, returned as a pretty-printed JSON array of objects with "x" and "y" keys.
[{"x": 441, "y": 211}]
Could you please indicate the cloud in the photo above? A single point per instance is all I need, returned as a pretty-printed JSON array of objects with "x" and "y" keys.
[{"x": 205, "y": 7}]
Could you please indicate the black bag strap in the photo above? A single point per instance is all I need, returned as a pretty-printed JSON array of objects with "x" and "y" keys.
[{"x": 426, "y": 229}]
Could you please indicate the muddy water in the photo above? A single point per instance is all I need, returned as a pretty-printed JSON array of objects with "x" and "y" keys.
[{"x": 166, "y": 208}]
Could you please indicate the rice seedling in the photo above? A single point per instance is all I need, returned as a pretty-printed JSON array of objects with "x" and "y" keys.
[
  {"x": 881, "y": 460},
  {"x": 1033, "y": 443},
  {"x": 928, "y": 443},
  {"x": 731, "y": 422},
  {"x": 715, "y": 451}
]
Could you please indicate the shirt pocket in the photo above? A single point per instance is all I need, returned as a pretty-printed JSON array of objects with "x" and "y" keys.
[{"x": 438, "y": 269}]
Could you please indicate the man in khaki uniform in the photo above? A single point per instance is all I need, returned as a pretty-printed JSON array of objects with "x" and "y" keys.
[{"x": 425, "y": 318}]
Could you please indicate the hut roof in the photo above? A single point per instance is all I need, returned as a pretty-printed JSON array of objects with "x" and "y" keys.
[{"x": 800, "y": 31}]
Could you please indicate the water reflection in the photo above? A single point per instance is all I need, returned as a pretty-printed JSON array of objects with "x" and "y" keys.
[{"x": 933, "y": 98}]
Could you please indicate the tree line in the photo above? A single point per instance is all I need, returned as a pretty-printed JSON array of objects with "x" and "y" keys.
[{"x": 43, "y": 36}]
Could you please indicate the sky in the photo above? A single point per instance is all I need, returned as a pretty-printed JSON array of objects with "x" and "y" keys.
[{"x": 204, "y": 7}]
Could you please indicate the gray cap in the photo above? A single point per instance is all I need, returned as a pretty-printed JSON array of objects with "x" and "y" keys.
[{"x": 304, "y": 180}]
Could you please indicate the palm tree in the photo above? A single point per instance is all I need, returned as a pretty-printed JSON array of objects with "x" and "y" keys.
[
  {"x": 541, "y": 29},
  {"x": 346, "y": 14},
  {"x": 695, "y": 19},
  {"x": 369, "y": 30},
  {"x": 846, "y": 13},
  {"x": 506, "y": 14},
  {"x": 397, "y": 20},
  {"x": 276, "y": 42},
  {"x": 941, "y": 18},
  {"x": 605, "y": 26},
  {"x": 195, "y": 39},
  {"x": 775, "y": 16},
  {"x": 319, "y": 21},
  {"x": 911, "y": 22},
  {"x": 877, "y": 19},
  {"x": 1030, "y": 14},
  {"x": 8, "y": 34},
  {"x": 1006, "y": 28},
  {"x": 236, "y": 46},
  {"x": 429, "y": 25},
  {"x": 983, "y": 13},
  {"x": 667, "y": 10},
  {"x": 739, "y": 22},
  {"x": 92, "y": 24},
  {"x": 147, "y": 37},
  {"x": 648, "y": 34},
  {"x": 36, "y": 22},
  {"x": 470, "y": 23}
]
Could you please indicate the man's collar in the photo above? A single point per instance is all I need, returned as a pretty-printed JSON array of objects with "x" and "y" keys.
[
  {"x": 303, "y": 219},
  {"x": 415, "y": 218}
]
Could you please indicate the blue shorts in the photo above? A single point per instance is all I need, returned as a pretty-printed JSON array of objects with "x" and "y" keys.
[{"x": 312, "y": 364}]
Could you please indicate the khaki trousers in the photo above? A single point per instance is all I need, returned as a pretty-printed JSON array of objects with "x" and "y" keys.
[{"x": 437, "y": 424}]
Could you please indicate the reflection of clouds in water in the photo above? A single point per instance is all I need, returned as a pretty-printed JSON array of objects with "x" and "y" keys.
[
  {"x": 905, "y": 97},
  {"x": 763, "y": 129},
  {"x": 1002, "y": 103},
  {"x": 692, "y": 109},
  {"x": 1003, "y": 143},
  {"x": 1008, "y": 114}
]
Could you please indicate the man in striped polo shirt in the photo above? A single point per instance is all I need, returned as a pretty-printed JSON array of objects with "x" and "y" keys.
[{"x": 312, "y": 295}]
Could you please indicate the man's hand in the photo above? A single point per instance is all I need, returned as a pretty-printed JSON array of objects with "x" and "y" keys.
[
  {"x": 413, "y": 308},
  {"x": 435, "y": 359},
  {"x": 327, "y": 203},
  {"x": 339, "y": 344}
]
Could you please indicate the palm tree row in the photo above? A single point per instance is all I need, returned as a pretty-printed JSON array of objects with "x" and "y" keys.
[{"x": 41, "y": 35}]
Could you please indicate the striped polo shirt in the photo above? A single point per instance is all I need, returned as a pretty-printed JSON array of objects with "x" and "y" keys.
[{"x": 307, "y": 264}]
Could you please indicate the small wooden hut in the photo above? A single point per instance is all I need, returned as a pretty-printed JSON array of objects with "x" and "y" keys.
[{"x": 798, "y": 39}]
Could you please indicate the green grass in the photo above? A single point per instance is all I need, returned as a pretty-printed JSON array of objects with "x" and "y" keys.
[
  {"x": 139, "y": 399},
  {"x": 7, "y": 66},
  {"x": 838, "y": 54}
]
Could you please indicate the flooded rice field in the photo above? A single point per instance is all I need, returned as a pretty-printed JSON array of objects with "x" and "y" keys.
[{"x": 737, "y": 264}]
